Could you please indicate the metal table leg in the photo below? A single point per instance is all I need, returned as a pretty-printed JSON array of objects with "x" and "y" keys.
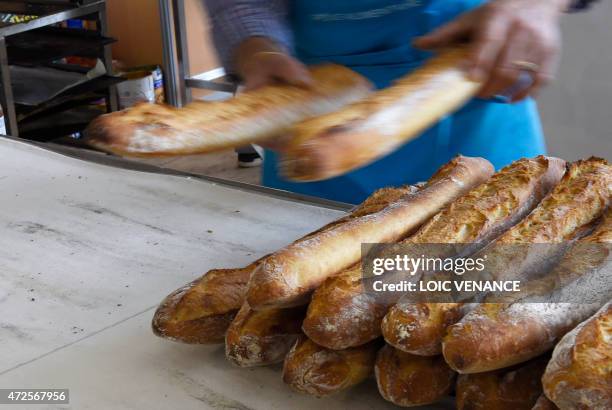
[{"x": 8, "y": 104}]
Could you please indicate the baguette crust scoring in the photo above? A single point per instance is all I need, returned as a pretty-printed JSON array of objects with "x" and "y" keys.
[
  {"x": 516, "y": 388},
  {"x": 407, "y": 380},
  {"x": 315, "y": 370},
  {"x": 579, "y": 375},
  {"x": 261, "y": 338}
]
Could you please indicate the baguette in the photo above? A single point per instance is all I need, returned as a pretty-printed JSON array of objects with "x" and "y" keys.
[
  {"x": 579, "y": 199},
  {"x": 544, "y": 404},
  {"x": 204, "y": 126},
  {"x": 201, "y": 311},
  {"x": 579, "y": 375},
  {"x": 516, "y": 388},
  {"x": 315, "y": 370},
  {"x": 341, "y": 314},
  {"x": 336, "y": 143},
  {"x": 528, "y": 327},
  {"x": 407, "y": 380},
  {"x": 288, "y": 276},
  {"x": 262, "y": 338},
  {"x": 515, "y": 191}
]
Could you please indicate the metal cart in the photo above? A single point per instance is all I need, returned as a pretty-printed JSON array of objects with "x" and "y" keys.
[{"x": 48, "y": 12}]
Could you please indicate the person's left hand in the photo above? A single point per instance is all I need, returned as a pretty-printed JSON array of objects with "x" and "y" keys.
[{"x": 507, "y": 39}]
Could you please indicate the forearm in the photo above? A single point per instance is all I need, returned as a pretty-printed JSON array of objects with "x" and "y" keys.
[{"x": 236, "y": 21}]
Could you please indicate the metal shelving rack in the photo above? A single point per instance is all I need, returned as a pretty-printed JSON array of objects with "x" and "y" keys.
[
  {"x": 178, "y": 81},
  {"x": 56, "y": 11}
]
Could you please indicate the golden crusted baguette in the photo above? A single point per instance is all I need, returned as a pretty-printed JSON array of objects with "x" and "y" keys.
[
  {"x": 418, "y": 328},
  {"x": 544, "y": 404},
  {"x": 579, "y": 375},
  {"x": 263, "y": 337},
  {"x": 580, "y": 198},
  {"x": 315, "y": 370},
  {"x": 516, "y": 388},
  {"x": 546, "y": 308},
  {"x": 507, "y": 198},
  {"x": 201, "y": 311},
  {"x": 336, "y": 143},
  {"x": 407, "y": 380},
  {"x": 205, "y": 126},
  {"x": 288, "y": 276},
  {"x": 341, "y": 314}
]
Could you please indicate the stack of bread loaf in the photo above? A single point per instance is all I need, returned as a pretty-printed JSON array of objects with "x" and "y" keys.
[{"x": 305, "y": 305}]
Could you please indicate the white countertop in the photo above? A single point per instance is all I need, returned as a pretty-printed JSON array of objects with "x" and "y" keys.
[{"x": 87, "y": 251}]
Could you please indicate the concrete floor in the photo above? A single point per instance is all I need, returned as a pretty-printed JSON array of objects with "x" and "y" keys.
[{"x": 220, "y": 164}]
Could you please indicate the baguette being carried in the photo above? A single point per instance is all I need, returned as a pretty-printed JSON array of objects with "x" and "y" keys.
[
  {"x": 336, "y": 143},
  {"x": 206, "y": 126}
]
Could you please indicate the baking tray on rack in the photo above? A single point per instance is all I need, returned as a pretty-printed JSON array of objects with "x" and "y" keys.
[{"x": 48, "y": 44}]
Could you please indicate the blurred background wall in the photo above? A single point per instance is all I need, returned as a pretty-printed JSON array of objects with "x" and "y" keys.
[{"x": 576, "y": 108}]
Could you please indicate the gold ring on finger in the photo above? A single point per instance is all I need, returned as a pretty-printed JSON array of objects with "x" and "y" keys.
[{"x": 526, "y": 66}]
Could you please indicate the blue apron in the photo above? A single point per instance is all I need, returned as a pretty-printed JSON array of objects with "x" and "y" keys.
[{"x": 373, "y": 37}]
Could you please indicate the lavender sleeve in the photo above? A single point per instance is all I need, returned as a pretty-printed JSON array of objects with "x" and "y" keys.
[
  {"x": 579, "y": 5},
  {"x": 233, "y": 21}
]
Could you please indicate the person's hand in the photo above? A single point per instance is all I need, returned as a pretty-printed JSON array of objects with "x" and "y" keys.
[
  {"x": 507, "y": 39},
  {"x": 261, "y": 62}
]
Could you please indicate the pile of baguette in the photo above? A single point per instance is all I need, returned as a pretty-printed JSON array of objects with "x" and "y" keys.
[{"x": 305, "y": 305}]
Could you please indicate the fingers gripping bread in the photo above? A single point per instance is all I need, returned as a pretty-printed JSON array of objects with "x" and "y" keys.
[
  {"x": 579, "y": 375},
  {"x": 518, "y": 331},
  {"x": 201, "y": 311},
  {"x": 408, "y": 380},
  {"x": 341, "y": 314},
  {"x": 515, "y": 388},
  {"x": 579, "y": 199},
  {"x": 261, "y": 338},
  {"x": 287, "y": 277},
  {"x": 200, "y": 127},
  {"x": 341, "y": 141},
  {"x": 315, "y": 370},
  {"x": 502, "y": 202}
]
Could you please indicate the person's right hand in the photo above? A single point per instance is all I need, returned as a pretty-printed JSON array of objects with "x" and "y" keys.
[{"x": 261, "y": 62}]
